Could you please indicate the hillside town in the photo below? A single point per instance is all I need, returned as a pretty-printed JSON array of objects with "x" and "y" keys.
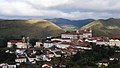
[{"x": 63, "y": 47}]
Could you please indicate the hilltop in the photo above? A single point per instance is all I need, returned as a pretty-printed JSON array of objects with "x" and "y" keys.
[
  {"x": 108, "y": 27},
  {"x": 32, "y": 28}
]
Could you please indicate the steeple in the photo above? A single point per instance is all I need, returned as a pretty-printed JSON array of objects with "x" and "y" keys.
[
  {"x": 77, "y": 31},
  {"x": 90, "y": 30},
  {"x": 23, "y": 39}
]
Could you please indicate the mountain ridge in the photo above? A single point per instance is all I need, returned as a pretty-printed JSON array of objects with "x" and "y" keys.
[
  {"x": 101, "y": 27},
  {"x": 32, "y": 28},
  {"x": 70, "y": 24}
]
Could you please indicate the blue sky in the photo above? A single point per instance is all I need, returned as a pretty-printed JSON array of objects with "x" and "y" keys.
[{"x": 69, "y": 9}]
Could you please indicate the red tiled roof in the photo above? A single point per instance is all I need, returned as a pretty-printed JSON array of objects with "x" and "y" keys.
[
  {"x": 15, "y": 41},
  {"x": 58, "y": 52},
  {"x": 68, "y": 43},
  {"x": 103, "y": 40},
  {"x": 73, "y": 33},
  {"x": 115, "y": 37}
]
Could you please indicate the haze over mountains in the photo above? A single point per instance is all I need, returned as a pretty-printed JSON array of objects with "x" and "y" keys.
[{"x": 70, "y": 25}]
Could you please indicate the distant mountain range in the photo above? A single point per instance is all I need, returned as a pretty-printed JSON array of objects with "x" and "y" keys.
[
  {"x": 108, "y": 27},
  {"x": 54, "y": 27},
  {"x": 32, "y": 28},
  {"x": 69, "y": 25}
]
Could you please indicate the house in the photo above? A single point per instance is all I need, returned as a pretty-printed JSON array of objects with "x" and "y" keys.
[
  {"x": 32, "y": 58},
  {"x": 19, "y": 43},
  {"x": 50, "y": 54},
  {"x": 61, "y": 39},
  {"x": 91, "y": 40},
  {"x": 16, "y": 43},
  {"x": 103, "y": 42},
  {"x": 45, "y": 58},
  {"x": 38, "y": 44},
  {"x": 57, "y": 44},
  {"x": 8, "y": 65},
  {"x": 50, "y": 44},
  {"x": 77, "y": 34},
  {"x": 46, "y": 65},
  {"x": 57, "y": 53},
  {"x": 103, "y": 62},
  {"x": 20, "y": 58},
  {"x": 115, "y": 57},
  {"x": 20, "y": 51},
  {"x": 114, "y": 42}
]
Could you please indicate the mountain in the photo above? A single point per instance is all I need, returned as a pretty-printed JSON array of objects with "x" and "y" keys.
[
  {"x": 32, "y": 28},
  {"x": 70, "y": 24},
  {"x": 108, "y": 27}
]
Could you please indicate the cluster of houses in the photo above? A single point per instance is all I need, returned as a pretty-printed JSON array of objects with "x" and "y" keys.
[{"x": 68, "y": 44}]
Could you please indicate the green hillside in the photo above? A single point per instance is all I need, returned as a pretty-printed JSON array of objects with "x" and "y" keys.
[
  {"x": 109, "y": 27},
  {"x": 32, "y": 28}
]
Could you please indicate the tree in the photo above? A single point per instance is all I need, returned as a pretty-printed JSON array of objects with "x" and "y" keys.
[{"x": 33, "y": 41}]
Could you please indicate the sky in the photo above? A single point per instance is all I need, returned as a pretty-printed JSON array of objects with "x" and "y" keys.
[{"x": 68, "y": 9}]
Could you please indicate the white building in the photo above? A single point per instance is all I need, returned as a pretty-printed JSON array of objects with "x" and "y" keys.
[
  {"x": 57, "y": 44},
  {"x": 21, "y": 59},
  {"x": 103, "y": 42},
  {"x": 8, "y": 65},
  {"x": 61, "y": 39},
  {"x": 91, "y": 40},
  {"x": 38, "y": 44},
  {"x": 114, "y": 42},
  {"x": 77, "y": 34},
  {"x": 17, "y": 44}
]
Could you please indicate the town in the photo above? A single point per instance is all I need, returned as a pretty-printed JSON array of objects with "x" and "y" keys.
[{"x": 58, "y": 51}]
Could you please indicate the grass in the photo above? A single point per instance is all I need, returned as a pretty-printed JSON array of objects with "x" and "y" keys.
[
  {"x": 32, "y": 28},
  {"x": 104, "y": 27}
]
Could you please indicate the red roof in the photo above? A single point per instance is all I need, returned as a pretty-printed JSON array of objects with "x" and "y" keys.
[
  {"x": 73, "y": 33},
  {"x": 102, "y": 40},
  {"x": 68, "y": 43},
  {"x": 115, "y": 37},
  {"x": 58, "y": 52}
]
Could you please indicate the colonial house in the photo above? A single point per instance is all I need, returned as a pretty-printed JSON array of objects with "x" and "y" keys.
[
  {"x": 18, "y": 43},
  {"x": 8, "y": 65},
  {"x": 57, "y": 53},
  {"x": 46, "y": 65},
  {"x": 91, "y": 40},
  {"x": 103, "y": 42},
  {"x": 61, "y": 39},
  {"x": 115, "y": 57},
  {"x": 32, "y": 58},
  {"x": 57, "y": 44},
  {"x": 38, "y": 44},
  {"x": 114, "y": 42},
  {"x": 103, "y": 63},
  {"x": 77, "y": 34},
  {"x": 77, "y": 43},
  {"x": 21, "y": 59}
]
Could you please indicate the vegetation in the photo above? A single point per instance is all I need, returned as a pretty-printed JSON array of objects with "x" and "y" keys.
[
  {"x": 7, "y": 57},
  {"x": 32, "y": 28},
  {"x": 109, "y": 27},
  {"x": 89, "y": 58}
]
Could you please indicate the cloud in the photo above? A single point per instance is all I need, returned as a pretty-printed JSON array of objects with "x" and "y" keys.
[{"x": 69, "y": 9}]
